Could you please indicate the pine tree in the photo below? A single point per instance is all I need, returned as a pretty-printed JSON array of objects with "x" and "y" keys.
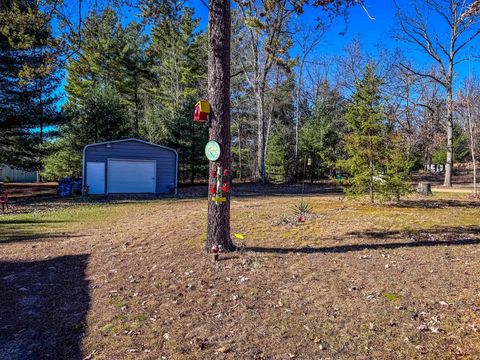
[
  {"x": 98, "y": 59},
  {"x": 114, "y": 57},
  {"x": 29, "y": 77},
  {"x": 279, "y": 145},
  {"x": 103, "y": 117},
  {"x": 364, "y": 144},
  {"x": 276, "y": 158},
  {"x": 397, "y": 164},
  {"x": 134, "y": 66},
  {"x": 322, "y": 130},
  {"x": 178, "y": 74}
]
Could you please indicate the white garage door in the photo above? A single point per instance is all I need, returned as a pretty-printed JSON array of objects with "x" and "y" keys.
[{"x": 130, "y": 176}]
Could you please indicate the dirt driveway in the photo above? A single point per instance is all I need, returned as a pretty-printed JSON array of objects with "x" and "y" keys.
[{"x": 353, "y": 282}]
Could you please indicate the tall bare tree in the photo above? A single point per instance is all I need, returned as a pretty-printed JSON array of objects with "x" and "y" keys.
[
  {"x": 266, "y": 43},
  {"x": 444, "y": 45},
  {"x": 306, "y": 40},
  {"x": 468, "y": 104}
]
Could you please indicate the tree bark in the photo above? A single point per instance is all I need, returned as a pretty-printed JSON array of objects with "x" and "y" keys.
[
  {"x": 240, "y": 150},
  {"x": 424, "y": 188},
  {"x": 192, "y": 156},
  {"x": 219, "y": 28},
  {"x": 261, "y": 139},
  {"x": 449, "y": 125},
  {"x": 472, "y": 147}
]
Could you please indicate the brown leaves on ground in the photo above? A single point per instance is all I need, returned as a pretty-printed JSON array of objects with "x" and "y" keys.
[{"x": 358, "y": 281}]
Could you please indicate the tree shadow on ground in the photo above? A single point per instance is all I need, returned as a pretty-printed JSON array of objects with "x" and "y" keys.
[
  {"x": 429, "y": 203},
  {"x": 21, "y": 221},
  {"x": 436, "y": 236},
  {"x": 43, "y": 306},
  {"x": 23, "y": 230},
  {"x": 27, "y": 236},
  {"x": 360, "y": 247},
  {"x": 436, "y": 233}
]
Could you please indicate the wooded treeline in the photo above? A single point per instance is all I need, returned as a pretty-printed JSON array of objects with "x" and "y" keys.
[{"x": 296, "y": 113}]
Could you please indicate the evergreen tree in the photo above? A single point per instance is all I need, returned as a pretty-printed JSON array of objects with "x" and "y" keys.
[
  {"x": 321, "y": 135},
  {"x": 276, "y": 156},
  {"x": 97, "y": 61},
  {"x": 63, "y": 160},
  {"x": 279, "y": 164},
  {"x": 134, "y": 66},
  {"x": 178, "y": 74},
  {"x": 103, "y": 117},
  {"x": 113, "y": 55},
  {"x": 29, "y": 77},
  {"x": 397, "y": 165},
  {"x": 364, "y": 144}
]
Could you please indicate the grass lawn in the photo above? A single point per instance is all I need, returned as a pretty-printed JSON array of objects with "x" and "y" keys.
[
  {"x": 132, "y": 281},
  {"x": 74, "y": 218}
]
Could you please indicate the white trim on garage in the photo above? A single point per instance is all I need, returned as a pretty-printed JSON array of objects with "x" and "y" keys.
[{"x": 126, "y": 169}]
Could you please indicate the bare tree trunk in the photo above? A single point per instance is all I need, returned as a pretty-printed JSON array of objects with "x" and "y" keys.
[
  {"x": 449, "y": 125},
  {"x": 137, "y": 107},
  {"x": 267, "y": 131},
  {"x": 297, "y": 114},
  {"x": 372, "y": 196},
  {"x": 192, "y": 156},
  {"x": 472, "y": 147},
  {"x": 372, "y": 199},
  {"x": 261, "y": 138},
  {"x": 240, "y": 150},
  {"x": 219, "y": 28},
  {"x": 443, "y": 47}
]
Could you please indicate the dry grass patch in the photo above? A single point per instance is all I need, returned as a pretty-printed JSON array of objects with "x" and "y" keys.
[{"x": 356, "y": 281}]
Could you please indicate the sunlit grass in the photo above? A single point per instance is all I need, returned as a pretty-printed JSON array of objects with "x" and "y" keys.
[
  {"x": 258, "y": 219},
  {"x": 63, "y": 221}
]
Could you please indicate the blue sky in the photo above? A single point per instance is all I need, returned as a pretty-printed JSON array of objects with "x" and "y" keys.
[{"x": 372, "y": 33}]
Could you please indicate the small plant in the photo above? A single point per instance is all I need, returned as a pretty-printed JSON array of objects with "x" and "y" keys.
[
  {"x": 301, "y": 212},
  {"x": 302, "y": 209}
]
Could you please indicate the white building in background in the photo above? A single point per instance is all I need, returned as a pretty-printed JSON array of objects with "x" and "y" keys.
[{"x": 8, "y": 173}]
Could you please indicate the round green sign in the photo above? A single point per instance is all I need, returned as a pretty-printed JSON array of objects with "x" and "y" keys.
[{"x": 212, "y": 150}]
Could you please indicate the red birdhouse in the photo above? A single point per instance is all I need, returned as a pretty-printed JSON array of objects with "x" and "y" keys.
[{"x": 202, "y": 109}]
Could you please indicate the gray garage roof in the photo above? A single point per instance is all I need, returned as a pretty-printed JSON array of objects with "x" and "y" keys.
[{"x": 129, "y": 139}]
